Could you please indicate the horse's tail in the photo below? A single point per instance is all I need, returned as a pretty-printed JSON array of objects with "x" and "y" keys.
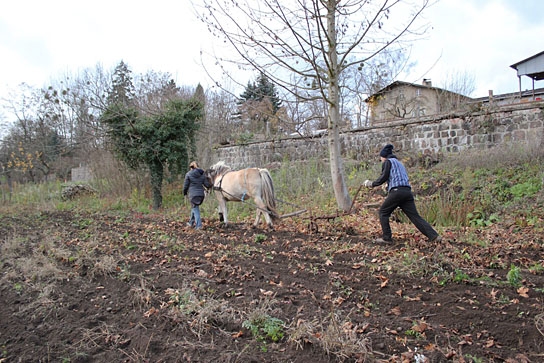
[{"x": 268, "y": 194}]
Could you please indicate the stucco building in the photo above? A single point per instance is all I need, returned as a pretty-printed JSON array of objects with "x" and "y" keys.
[{"x": 407, "y": 100}]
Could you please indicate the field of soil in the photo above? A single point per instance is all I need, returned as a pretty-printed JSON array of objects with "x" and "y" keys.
[{"x": 130, "y": 287}]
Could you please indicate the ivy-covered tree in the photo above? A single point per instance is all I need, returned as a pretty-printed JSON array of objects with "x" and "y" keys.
[
  {"x": 157, "y": 137},
  {"x": 155, "y": 141}
]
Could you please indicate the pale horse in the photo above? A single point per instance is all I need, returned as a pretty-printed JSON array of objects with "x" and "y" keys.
[{"x": 239, "y": 185}]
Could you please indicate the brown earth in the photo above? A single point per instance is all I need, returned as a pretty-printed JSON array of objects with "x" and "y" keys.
[{"x": 132, "y": 287}]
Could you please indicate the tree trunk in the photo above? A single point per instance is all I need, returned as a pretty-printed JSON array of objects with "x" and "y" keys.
[
  {"x": 157, "y": 171},
  {"x": 333, "y": 120},
  {"x": 10, "y": 185}
]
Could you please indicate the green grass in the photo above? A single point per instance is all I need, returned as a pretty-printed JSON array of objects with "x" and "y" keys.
[
  {"x": 264, "y": 327},
  {"x": 513, "y": 276},
  {"x": 458, "y": 192}
]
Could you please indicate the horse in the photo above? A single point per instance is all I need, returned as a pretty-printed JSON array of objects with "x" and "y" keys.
[{"x": 237, "y": 186}]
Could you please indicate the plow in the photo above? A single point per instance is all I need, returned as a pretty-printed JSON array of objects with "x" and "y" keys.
[
  {"x": 256, "y": 184},
  {"x": 313, "y": 220}
]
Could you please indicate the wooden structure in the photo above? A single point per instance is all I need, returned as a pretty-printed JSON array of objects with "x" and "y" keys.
[{"x": 532, "y": 67}]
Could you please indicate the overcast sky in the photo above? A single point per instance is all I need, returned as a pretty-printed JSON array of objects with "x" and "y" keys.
[
  {"x": 42, "y": 40},
  {"x": 484, "y": 38}
]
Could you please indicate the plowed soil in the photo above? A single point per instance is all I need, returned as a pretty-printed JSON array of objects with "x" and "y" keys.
[{"x": 132, "y": 287}]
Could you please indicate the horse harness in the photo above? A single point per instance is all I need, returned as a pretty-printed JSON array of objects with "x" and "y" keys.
[{"x": 219, "y": 187}]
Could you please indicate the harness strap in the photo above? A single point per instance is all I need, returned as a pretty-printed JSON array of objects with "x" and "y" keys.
[
  {"x": 221, "y": 181},
  {"x": 220, "y": 188}
]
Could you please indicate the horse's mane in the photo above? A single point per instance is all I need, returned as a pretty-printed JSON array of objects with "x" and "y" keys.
[{"x": 220, "y": 168}]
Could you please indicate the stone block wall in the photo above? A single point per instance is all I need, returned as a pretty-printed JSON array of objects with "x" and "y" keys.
[
  {"x": 82, "y": 174},
  {"x": 521, "y": 123}
]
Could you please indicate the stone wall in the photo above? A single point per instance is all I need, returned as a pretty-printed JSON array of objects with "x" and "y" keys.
[
  {"x": 521, "y": 123},
  {"x": 83, "y": 173}
]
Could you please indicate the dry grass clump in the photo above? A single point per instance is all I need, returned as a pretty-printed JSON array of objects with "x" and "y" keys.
[
  {"x": 200, "y": 312},
  {"x": 105, "y": 265},
  {"x": 45, "y": 301},
  {"x": 539, "y": 322},
  {"x": 32, "y": 260},
  {"x": 337, "y": 337},
  {"x": 37, "y": 272},
  {"x": 103, "y": 335},
  {"x": 11, "y": 248},
  {"x": 108, "y": 336},
  {"x": 39, "y": 268},
  {"x": 141, "y": 296}
]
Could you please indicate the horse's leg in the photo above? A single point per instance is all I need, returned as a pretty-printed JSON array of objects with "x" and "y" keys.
[
  {"x": 268, "y": 220},
  {"x": 262, "y": 209},
  {"x": 221, "y": 206},
  {"x": 223, "y": 210},
  {"x": 257, "y": 218}
]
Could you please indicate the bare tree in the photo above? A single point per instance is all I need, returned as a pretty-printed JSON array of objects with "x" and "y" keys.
[
  {"x": 359, "y": 83},
  {"x": 313, "y": 42},
  {"x": 461, "y": 82},
  {"x": 458, "y": 86},
  {"x": 33, "y": 143},
  {"x": 219, "y": 125}
]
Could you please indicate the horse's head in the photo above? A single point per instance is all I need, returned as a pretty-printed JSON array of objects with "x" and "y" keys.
[
  {"x": 210, "y": 176},
  {"x": 217, "y": 170}
]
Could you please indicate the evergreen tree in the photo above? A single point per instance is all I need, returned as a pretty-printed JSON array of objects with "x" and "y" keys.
[
  {"x": 249, "y": 93},
  {"x": 259, "y": 103},
  {"x": 261, "y": 90},
  {"x": 122, "y": 90},
  {"x": 267, "y": 89}
]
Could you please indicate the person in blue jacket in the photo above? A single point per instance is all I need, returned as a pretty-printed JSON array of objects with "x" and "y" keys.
[
  {"x": 399, "y": 195},
  {"x": 194, "y": 183}
]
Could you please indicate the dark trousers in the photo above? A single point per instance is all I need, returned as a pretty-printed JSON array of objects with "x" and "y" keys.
[{"x": 403, "y": 198}]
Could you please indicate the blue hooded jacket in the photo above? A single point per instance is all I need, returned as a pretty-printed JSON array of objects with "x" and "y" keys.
[{"x": 195, "y": 181}]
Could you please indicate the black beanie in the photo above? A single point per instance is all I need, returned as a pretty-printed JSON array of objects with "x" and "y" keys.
[{"x": 386, "y": 151}]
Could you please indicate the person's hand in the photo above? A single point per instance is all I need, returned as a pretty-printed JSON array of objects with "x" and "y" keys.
[{"x": 368, "y": 183}]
